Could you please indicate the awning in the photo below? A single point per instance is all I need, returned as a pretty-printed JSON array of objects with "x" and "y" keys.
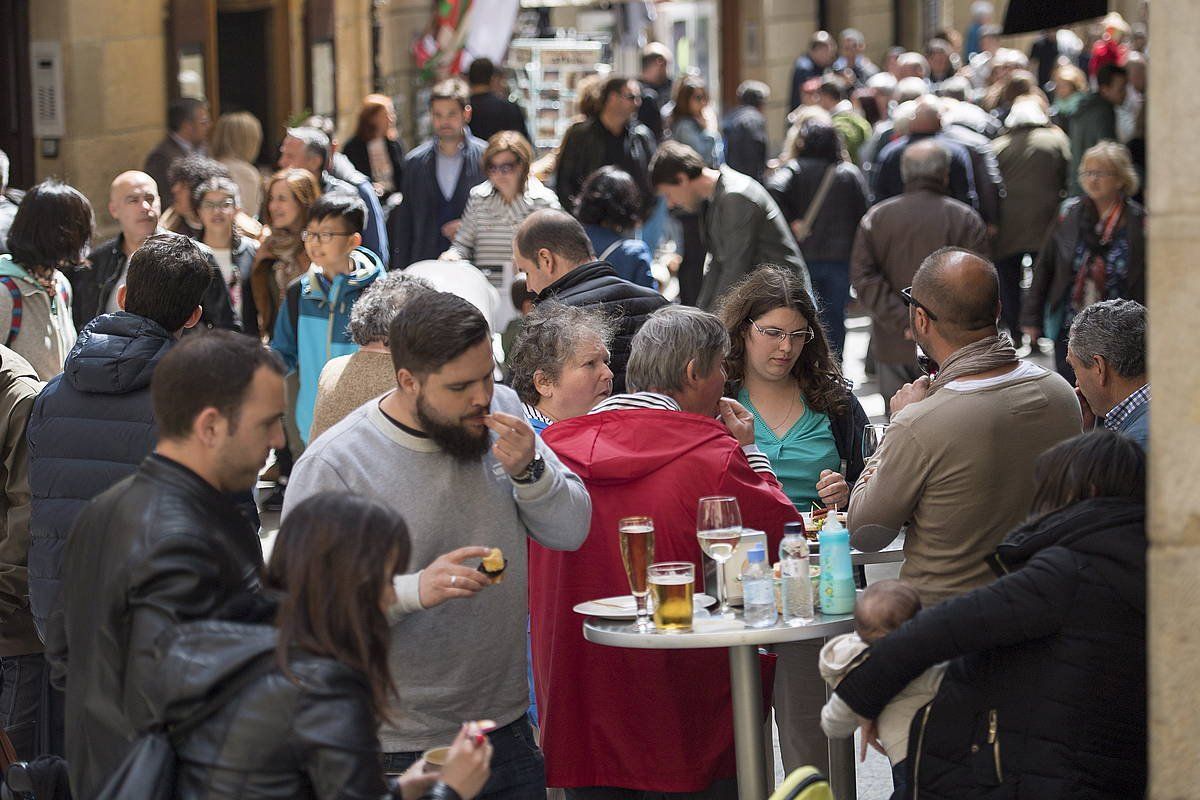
[{"x": 1024, "y": 16}]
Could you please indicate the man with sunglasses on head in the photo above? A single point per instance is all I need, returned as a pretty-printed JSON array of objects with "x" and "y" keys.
[
  {"x": 891, "y": 242},
  {"x": 957, "y": 464}
]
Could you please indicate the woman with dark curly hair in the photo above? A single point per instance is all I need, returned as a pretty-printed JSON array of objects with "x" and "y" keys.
[
  {"x": 781, "y": 368},
  {"x": 609, "y": 206}
]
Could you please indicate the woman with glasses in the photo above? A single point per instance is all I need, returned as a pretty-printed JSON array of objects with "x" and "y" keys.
[
  {"x": 781, "y": 368},
  {"x": 216, "y": 202},
  {"x": 1096, "y": 250},
  {"x": 494, "y": 210},
  {"x": 807, "y": 422},
  {"x": 49, "y": 234}
]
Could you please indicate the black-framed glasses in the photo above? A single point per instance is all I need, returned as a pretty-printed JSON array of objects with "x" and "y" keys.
[
  {"x": 803, "y": 336},
  {"x": 324, "y": 237},
  {"x": 909, "y": 300}
]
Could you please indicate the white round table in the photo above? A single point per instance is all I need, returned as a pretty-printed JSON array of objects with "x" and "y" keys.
[{"x": 745, "y": 683}]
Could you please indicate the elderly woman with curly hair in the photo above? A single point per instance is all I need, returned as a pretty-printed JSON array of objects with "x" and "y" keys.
[{"x": 560, "y": 363}]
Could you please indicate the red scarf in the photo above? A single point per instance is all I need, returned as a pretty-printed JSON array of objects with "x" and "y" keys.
[{"x": 1094, "y": 266}]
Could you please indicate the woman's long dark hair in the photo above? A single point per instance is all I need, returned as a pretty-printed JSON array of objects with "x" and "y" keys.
[
  {"x": 816, "y": 370},
  {"x": 1097, "y": 464},
  {"x": 333, "y": 558},
  {"x": 52, "y": 228}
]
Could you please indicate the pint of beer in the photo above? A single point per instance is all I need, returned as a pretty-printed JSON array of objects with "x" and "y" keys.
[{"x": 671, "y": 586}]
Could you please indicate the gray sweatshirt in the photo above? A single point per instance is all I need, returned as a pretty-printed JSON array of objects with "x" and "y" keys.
[{"x": 464, "y": 659}]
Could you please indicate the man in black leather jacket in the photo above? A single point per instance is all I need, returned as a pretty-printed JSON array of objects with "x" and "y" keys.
[
  {"x": 135, "y": 204},
  {"x": 554, "y": 252},
  {"x": 165, "y": 545}
]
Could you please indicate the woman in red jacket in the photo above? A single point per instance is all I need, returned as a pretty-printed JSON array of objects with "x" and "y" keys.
[{"x": 646, "y": 720}]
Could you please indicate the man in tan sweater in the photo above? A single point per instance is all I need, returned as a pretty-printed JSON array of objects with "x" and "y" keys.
[{"x": 957, "y": 462}]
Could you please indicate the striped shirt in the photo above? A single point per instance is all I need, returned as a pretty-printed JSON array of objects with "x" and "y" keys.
[
  {"x": 661, "y": 402},
  {"x": 485, "y": 235}
]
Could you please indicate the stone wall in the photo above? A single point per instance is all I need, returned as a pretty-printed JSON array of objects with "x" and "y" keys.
[{"x": 114, "y": 83}]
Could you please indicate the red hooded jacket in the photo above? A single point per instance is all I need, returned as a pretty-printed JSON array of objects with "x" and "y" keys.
[{"x": 653, "y": 720}]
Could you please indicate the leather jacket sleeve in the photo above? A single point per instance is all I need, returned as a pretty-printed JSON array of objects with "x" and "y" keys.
[
  {"x": 173, "y": 584},
  {"x": 334, "y": 731}
]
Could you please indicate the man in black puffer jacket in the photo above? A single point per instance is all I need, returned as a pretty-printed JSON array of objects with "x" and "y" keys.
[
  {"x": 554, "y": 252},
  {"x": 165, "y": 545},
  {"x": 92, "y": 425},
  {"x": 1045, "y": 698}
]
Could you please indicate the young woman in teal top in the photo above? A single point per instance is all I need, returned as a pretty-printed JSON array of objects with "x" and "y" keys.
[{"x": 780, "y": 367}]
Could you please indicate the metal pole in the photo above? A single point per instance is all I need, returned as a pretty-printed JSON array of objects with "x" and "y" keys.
[
  {"x": 746, "y": 687},
  {"x": 841, "y": 769}
]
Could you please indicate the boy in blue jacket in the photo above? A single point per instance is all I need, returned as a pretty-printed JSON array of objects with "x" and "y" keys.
[{"x": 311, "y": 326}]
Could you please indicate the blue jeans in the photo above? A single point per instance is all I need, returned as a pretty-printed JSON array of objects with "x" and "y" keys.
[
  {"x": 31, "y": 711},
  {"x": 518, "y": 769},
  {"x": 831, "y": 285}
]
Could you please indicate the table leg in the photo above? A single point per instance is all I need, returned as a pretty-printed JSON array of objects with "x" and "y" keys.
[
  {"x": 746, "y": 686},
  {"x": 842, "y": 779}
]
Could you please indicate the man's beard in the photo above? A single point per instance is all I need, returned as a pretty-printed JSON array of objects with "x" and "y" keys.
[{"x": 457, "y": 440}]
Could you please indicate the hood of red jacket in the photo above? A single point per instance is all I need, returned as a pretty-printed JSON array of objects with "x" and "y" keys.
[{"x": 615, "y": 447}]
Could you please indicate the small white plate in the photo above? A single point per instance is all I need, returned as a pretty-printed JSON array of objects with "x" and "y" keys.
[{"x": 625, "y": 607}]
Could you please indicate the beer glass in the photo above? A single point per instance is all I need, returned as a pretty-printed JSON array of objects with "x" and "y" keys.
[
  {"x": 671, "y": 585},
  {"x": 637, "y": 552},
  {"x": 718, "y": 530}
]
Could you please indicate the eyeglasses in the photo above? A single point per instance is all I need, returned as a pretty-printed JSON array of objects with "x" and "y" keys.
[
  {"x": 223, "y": 205},
  {"x": 502, "y": 168},
  {"x": 1097, "y": 173},
  {"x": 909, "y": 300},
  {"x": 802, "y": 336},
  {"x": 324, "y": 237},
  {"x": 633, "y": 98}
]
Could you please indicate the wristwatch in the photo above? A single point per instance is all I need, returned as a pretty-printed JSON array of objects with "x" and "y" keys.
[{"x": 531, "y": 473}]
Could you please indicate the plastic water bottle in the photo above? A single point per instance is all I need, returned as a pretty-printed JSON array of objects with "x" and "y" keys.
[
  {"x": 795, "y": 584},
  {"x": 758, "y": 590},
  {"x": 837, "y": 576}
]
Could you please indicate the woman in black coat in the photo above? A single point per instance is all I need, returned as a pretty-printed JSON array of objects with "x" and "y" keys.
[
  {"x": 307, "y": 726},
  {"x": 1045, "y": 695},
  {"x": 375, "y": 149}
]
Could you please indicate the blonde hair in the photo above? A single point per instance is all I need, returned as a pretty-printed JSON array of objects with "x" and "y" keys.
[
  {"x": 303, "y": 186},
  {"x": 1117, "y": 157},
  {"x": 237, "y": 135},
  {"x": 1069, "y": 73}
]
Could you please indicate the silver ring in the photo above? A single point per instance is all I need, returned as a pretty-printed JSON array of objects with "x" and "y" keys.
[{"x": 453, "y": 579}]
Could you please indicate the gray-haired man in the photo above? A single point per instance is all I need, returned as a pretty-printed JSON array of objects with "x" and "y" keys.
[{"x": 1107, "y": 350}]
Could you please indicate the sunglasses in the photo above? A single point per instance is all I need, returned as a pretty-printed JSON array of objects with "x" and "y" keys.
[
  {"x": 502, "y": 168},
  {"x": 912, "y": 302}
]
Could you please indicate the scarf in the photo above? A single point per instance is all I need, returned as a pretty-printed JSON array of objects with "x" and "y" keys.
[
  {"x": 1097, "y": 237},
  {"x": 987, "y": 354}
]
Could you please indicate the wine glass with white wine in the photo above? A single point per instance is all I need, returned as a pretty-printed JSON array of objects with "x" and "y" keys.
[{"x": 718, "y": 530}]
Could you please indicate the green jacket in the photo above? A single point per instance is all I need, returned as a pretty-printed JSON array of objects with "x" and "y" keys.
[{"x": 1094, "y": 120}]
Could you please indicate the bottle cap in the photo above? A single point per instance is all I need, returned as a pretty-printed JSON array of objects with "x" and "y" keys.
[
  {"x": 793, "y": 529},
  {"x": 756, "y": 555}
]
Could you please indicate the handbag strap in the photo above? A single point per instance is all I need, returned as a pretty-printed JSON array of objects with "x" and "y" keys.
[
  {"x": 257, "y": 669},
  {"x": 608, "y": 251},
  {"x": 814, "y": 208}
]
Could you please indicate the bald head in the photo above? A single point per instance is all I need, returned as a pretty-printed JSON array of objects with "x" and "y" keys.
[
  {"x": 925, "y": 162},
  {"x": 927, "y": 116},
  {"x": 134, "y": 203},
  {"x": 962, "y": 289}
]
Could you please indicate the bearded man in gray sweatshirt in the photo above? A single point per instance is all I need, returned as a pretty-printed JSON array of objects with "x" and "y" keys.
[{"x": 454, "y": 455}]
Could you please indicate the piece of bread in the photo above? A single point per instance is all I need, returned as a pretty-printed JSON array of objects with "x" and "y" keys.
[{"x": 494, "y": 564}]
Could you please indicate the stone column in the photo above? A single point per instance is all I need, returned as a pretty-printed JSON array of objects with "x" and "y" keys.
[{"x": 1174, "y": 521}]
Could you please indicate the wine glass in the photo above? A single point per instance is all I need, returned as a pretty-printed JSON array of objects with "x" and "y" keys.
[
  {"x": 718, "y": 530},
  {"x": 637, "y": 554},
  {"x": 872, "y": 439}
]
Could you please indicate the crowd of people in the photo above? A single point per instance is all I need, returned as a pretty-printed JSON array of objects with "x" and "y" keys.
[{"x": 430, "y": 361}]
